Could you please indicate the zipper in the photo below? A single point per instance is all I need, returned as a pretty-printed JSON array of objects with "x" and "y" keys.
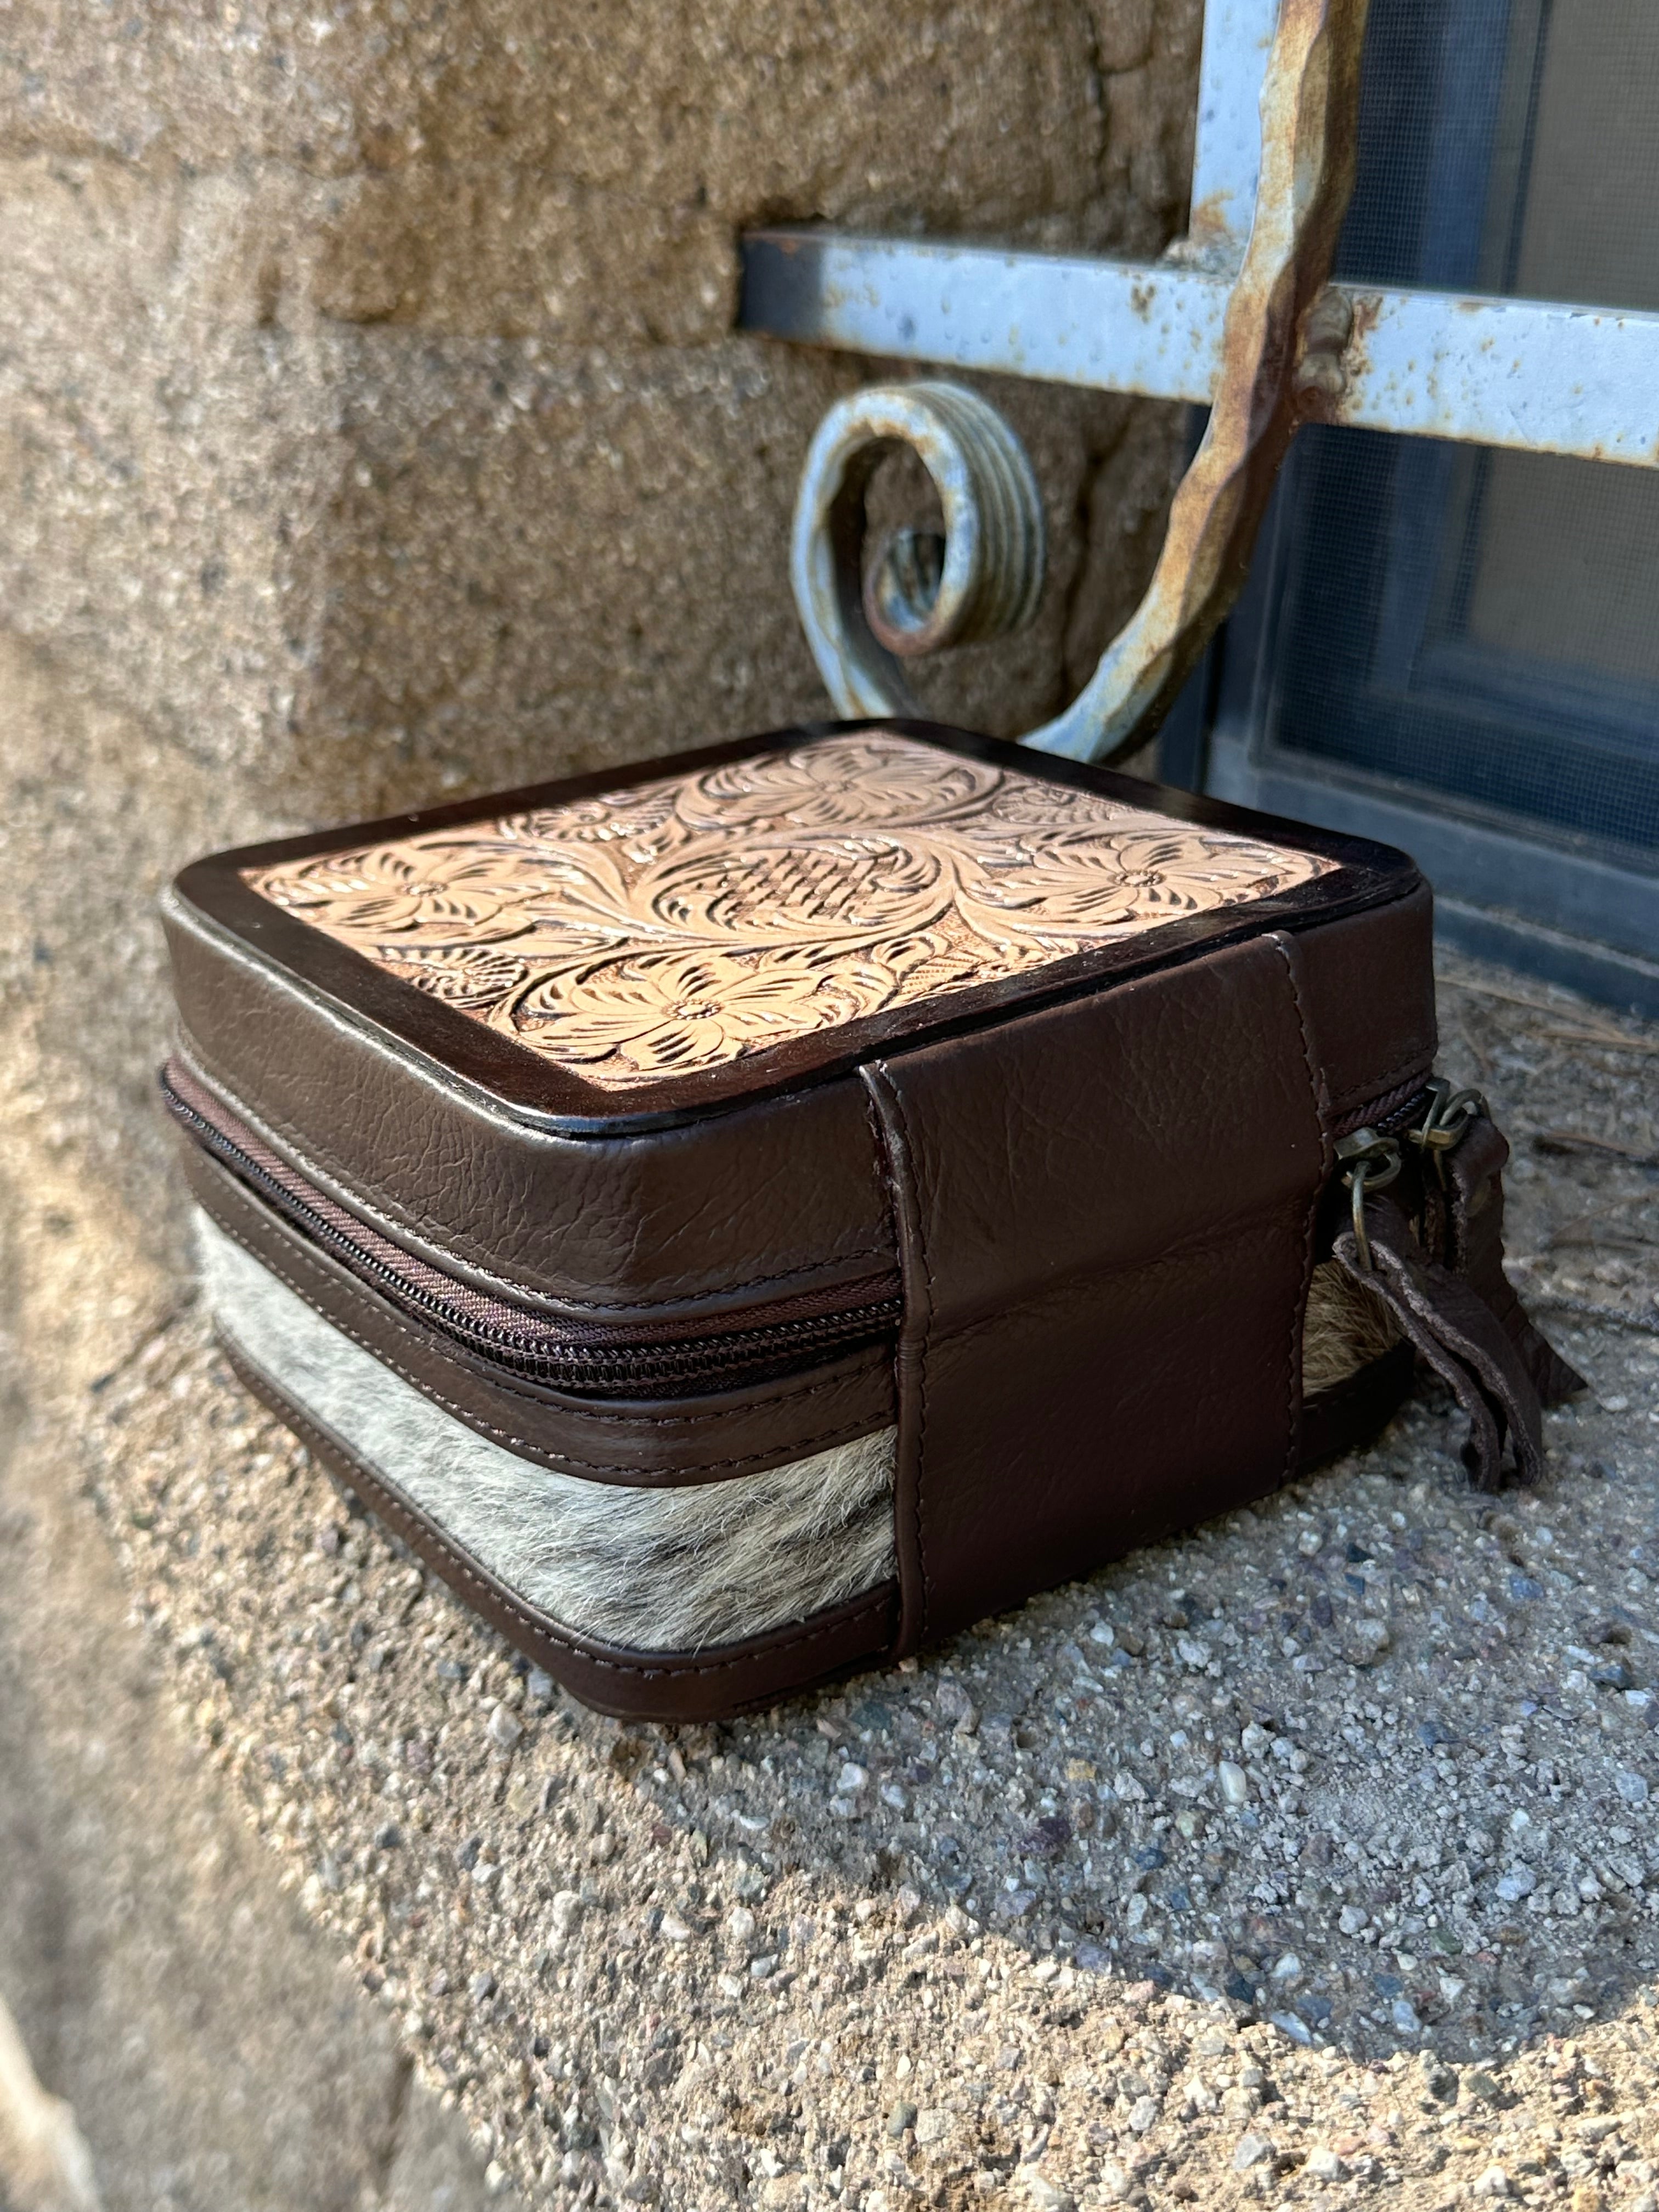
[
  {"x": 584, "y": 1359},
  {"x": 1434, "y": 1120},
  {"x": 626, "y": 1360}
]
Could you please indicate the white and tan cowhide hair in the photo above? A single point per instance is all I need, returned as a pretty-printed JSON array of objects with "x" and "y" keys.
[
  {"x": 1346, "y": 1328},
  {"x": 655, "y": 1570}
]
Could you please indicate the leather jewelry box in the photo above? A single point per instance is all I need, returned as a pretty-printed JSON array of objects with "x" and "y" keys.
[{"x": 760, "y": 1211}]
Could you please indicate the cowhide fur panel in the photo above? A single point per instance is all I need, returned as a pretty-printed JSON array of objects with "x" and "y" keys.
[
  {"x": 655, "y": 1570},
  {"x": 1344, "y": 1330}
]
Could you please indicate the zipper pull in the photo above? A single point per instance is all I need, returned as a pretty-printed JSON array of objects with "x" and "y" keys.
[
  {"x": 1451, "y": 1325},
  {"x": 1446, "y": 1122},
  {"x": 1461, "y": 1316},
  {"x": 1374, "y": 1161}
]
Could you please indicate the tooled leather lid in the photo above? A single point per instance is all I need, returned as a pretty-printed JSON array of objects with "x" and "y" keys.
[{"x": 630, "y": 949}]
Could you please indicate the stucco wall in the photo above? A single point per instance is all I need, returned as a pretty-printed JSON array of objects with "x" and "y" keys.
[{"x": 372, "y": 414}]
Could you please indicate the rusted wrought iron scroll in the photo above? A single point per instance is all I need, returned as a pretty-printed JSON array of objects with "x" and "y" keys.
[{"x": 1283, "y": 334}]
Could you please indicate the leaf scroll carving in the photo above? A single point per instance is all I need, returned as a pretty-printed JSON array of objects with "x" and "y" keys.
[{"x": 686, "y": 922}]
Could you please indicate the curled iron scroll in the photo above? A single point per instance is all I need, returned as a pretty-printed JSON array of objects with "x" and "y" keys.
[
  {"x": 983, "y": 580},
  {"x": 988, "y": 576}
]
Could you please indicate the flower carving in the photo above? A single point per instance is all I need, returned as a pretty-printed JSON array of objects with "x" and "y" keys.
[
  {"x": 667, "y": 1011},
  {"x": 691, "y": 920}
]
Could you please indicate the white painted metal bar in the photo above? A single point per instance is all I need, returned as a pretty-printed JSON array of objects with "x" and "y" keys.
[
  {"x": 1227, "y": 147},
  {"x": 1529, "y": 373},
  {"x": 1534, "y": 375},
  {"x": 1119, "y": 326}
]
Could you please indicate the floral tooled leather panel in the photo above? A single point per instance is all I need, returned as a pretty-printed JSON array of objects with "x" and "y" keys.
[{"x": 684, "y": 923}]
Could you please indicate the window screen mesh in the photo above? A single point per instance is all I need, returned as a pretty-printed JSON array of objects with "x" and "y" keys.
[{"x": 1485, "y": 625}]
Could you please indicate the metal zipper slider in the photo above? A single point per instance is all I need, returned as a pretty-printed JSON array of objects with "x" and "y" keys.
[
  {"x": 1376, "y": 1162},
  {"x": 1446, "y": 1122}
]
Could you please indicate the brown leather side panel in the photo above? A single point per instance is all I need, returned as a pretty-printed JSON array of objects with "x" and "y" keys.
[
  {"x": 1106, "y": 1213},
  {"x": 633, "y": 1685},
  {"x": 781, "y": 1195},
  {"x": 1369, "y": 984},
  {"x": 710, "y": 1439}
]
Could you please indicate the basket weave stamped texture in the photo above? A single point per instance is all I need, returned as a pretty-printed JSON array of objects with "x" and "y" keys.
[{"x": 683, "y": 923}]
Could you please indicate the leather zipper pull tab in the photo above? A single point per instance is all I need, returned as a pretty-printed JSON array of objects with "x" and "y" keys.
[
  {"x": 1474, "y": 1184},
  {"x": 1451, "y": 1326}
]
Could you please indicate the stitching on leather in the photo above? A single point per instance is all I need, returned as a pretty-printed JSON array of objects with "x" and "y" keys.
[
  {"x": 308, "y": 1154},
  {"x": 800, "y": 1449},
  {"x": 1319, "y": 1099},
  {"x": 718, "y": 1417},
  {"x": 889, "y": 1168},
  {"x": 420, "y": 1531}
]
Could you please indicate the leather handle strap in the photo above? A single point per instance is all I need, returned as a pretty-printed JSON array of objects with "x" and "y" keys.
[{"x": 1105, "y": 1212}]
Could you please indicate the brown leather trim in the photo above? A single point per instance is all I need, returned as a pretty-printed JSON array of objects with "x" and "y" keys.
[
  {"x": 728, "y": 1679},
  {"x": 668, "y": 1443},
  {"x": 1366, "y": 874},
  {"x": 1295, "y": 972},
  {"x": 770, "y": 1199},
  {"x": 1368, "y": 979},
  {"x": 1105, "y": 1213},
  {"x": 754, "y": 1206}
]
